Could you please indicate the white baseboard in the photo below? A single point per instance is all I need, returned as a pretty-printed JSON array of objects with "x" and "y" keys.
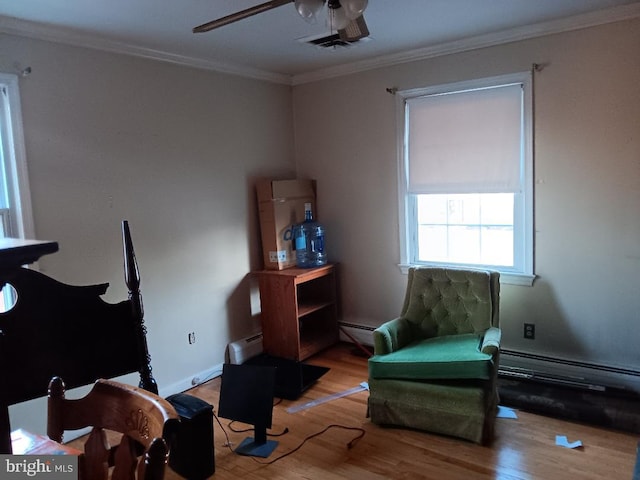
[{"x": 190, "y": 382}]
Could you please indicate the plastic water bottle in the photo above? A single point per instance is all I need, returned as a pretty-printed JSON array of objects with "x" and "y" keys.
[{"x": 309, "y": 241}]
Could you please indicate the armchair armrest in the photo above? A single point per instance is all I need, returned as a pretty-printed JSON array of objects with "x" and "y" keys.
[
  {"x": 392, "y": 335},
  {"x": 491, "y": 340}
]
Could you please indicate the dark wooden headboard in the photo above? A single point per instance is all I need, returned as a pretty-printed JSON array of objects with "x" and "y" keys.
[{"x": 68, "y": 331}]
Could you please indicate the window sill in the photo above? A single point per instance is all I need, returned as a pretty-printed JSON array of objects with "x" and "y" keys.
[{"x": 507, "y": 278}]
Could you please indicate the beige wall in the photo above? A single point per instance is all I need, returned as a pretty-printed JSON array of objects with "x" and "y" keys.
[
  {"x": 586, "y": 301},
  {"x": 173, "y": 150}
]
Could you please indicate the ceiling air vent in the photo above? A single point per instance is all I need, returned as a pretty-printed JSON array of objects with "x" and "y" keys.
[{"x": 330, "y": 41}]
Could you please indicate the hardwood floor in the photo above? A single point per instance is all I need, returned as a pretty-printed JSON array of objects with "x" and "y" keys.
[{"x": 524, "y": 448}]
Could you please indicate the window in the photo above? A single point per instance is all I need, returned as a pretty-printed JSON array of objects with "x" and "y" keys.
[
  {"x": 465, "y": 176},
  {"x": 15, "y": 200}
]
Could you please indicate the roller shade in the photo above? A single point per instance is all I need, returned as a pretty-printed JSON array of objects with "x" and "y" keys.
[{"x": 466, "y": 142}]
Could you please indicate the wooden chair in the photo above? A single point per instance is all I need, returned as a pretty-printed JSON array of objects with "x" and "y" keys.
[{"x": 146, "y": 421}]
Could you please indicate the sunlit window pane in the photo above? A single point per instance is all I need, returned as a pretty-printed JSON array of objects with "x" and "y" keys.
[
  {"x": 496, "y": 209},
  {"x": 474, "y": 229},
  {"x": 432, "y": 209},
  {"x": 465, "y": 209},
  {"x": 464, "y": 244},
  {"x": 497, "y": 246},
  {"x": 432, "y": 243}
]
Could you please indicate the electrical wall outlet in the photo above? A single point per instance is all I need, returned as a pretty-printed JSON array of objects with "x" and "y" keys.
[
  {"x": 192, "y": 338},
  {"x": 530, "y": 331}
]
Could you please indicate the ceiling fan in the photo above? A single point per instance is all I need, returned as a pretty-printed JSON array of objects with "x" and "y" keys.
[{"x": 345, "y": 16}]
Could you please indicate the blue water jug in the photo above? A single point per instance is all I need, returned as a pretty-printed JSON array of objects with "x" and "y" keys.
[{"x": 309, "y": 241}]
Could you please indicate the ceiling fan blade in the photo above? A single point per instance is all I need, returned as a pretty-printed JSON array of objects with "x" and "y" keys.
[
  {"x": 355, "y": 30},
  {"x": 234, "y": 17}
]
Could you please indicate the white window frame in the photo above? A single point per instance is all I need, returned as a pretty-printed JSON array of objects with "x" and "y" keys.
[
  {"x": 14, "y": 164},
  {"x": 523, "y": 273}
]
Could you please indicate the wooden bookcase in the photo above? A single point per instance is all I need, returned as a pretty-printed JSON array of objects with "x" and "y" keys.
[{"x": 299, "y": 310}]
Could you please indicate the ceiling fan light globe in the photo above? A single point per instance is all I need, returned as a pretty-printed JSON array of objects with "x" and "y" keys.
[
  {"x": 354, "y": 8},
  {"x": 337, "y": 19},
  {"x": 309, "y": 9}
]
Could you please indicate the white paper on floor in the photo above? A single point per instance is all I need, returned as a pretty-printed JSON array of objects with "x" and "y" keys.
[
  {"x": 562, "y": 441},
  {"x": 506, "y": 412},
  {"x": 360, "y": 388}
]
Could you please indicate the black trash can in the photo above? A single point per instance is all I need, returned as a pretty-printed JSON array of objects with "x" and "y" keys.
[{"x": 192, "y": 452}]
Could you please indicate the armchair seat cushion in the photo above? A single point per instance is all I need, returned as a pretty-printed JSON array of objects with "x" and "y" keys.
[{"x": 447, "y": 357}]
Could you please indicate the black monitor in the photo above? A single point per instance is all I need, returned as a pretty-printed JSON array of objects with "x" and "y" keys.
[{"x": 246, "y": 395}]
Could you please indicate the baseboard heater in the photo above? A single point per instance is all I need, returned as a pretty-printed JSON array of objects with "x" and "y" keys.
[
  {"x": 520, "y": 373},
  {"x": 560, "y": 379},
  {"x": 357, "y": 334},
  {"x": 242, "y": 350},
  {"x": 357, "y": 326}
]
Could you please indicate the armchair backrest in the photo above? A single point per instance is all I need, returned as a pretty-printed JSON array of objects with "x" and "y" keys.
[{"x": 447, "y": 301}]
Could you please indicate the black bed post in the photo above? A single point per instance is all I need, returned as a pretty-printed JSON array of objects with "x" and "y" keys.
[{"x": 132, "y": 279}]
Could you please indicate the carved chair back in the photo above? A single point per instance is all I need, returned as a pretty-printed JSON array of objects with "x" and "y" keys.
[{"x": 145, "y": 421}]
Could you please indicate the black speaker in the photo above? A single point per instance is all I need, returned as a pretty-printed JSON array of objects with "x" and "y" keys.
[{"x": 192, "y": 452}]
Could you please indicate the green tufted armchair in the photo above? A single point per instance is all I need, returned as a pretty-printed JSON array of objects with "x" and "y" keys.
[{"x": 435, "y": 367}]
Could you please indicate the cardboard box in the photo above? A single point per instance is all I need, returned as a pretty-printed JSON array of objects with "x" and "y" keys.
[{"x": 280, "y": 207}]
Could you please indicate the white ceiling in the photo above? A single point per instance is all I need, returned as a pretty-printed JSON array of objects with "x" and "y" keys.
[{"x": 267, "y": 45}]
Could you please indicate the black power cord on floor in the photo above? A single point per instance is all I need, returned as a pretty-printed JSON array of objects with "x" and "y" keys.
[
  {"x": 350, "y": 444},
  {"x": 286, "y": 430}
]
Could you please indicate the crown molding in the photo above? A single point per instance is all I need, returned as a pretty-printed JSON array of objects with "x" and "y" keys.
[
  {"x": 14, "y": 26},
  {"x": 38, "y": 31},
  {"x": 592, "y": 19}
]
